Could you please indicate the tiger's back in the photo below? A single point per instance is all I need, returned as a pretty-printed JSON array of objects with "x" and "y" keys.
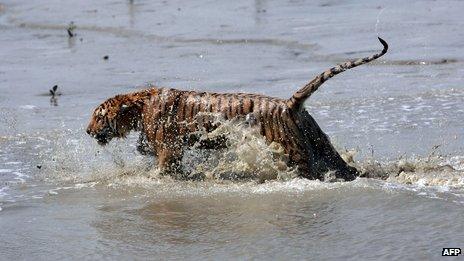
[{"x": 179, "y": 111}]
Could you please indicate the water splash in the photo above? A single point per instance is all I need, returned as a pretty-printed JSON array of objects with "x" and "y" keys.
[
  {"x": 247, "y": 157},
  {"x": 69, "y": 159}
]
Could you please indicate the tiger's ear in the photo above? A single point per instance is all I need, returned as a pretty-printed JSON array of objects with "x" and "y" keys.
[{"x": 103, "y": 113}]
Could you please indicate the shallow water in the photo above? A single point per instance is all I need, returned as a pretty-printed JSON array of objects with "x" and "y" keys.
[{"x": 64, "y": 197}]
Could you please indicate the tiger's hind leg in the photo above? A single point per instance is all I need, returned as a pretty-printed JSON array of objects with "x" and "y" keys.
[{"x": 319, "y": 157}]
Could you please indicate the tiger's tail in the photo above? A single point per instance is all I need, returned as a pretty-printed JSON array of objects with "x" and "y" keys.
[{"x": 299, "y": 97}]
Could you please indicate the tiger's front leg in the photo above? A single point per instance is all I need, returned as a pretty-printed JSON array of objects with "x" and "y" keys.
[
  {"x": 169, "y": 157},
  {"x": 143, "y": 146},
  {"x": 164, "y": 144}
]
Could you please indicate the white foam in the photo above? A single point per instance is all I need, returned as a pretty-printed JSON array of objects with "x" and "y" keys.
[
  {"x": 12, "y": 163},
  {"x": 3, "y": 191},
  {"x": 20, "y": 176},
  {"x": 28, "y": 107},
  {"x": 52, "y": 192}
]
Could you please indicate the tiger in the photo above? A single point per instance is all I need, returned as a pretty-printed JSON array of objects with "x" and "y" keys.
[{"x": 167, "y": 120}]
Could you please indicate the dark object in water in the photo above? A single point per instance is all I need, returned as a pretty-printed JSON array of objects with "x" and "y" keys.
[
  {"x": 166, "y": 117},
  {"x": 70, "y": 29},
  {"x": 106, "y": 57},
  {"x": 53, "y": 90},
  {"x": 53, "y": 93}
]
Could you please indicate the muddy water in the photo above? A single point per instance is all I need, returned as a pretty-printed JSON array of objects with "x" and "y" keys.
[{"x": 64, "y": 197}]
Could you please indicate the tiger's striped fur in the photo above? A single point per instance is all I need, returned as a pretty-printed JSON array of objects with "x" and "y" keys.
[{"x": 167, "y": 117}]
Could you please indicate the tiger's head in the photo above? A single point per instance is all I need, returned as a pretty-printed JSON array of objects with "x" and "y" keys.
[{"x": 115, "y": 118}]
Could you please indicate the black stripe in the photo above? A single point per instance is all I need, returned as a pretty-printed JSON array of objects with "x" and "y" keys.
[
  {"x": 240, "y": 106},
  {"x": 272, "y": 123},
  {"x": 229, "y": 104},
  {"x": 252, "y": 105}
]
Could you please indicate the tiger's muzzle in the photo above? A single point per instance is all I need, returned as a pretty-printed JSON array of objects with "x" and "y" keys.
[{"x": 102, "y": 137}]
